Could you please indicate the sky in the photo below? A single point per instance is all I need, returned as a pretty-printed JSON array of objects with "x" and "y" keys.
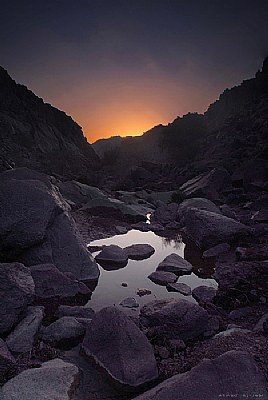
[{"x": 120, "y": 67}]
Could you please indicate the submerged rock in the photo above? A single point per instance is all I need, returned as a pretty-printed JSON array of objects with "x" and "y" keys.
[
  {"x": 56, "y": 379},
  {"x": 115, "y": 343},
  {"x": 180, "y": 288},
  {"x": 112, "y": 256},
  {"x": 162, "y": 278},
  {"x": 234, "y": 372},
  {"x": 139, "y": 251}
]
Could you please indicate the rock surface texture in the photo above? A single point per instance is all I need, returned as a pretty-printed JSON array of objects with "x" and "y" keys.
[{"x": 120, "y": 349}]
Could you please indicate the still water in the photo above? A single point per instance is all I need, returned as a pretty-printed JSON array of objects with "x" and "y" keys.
[{"x": 109, "y": 290}]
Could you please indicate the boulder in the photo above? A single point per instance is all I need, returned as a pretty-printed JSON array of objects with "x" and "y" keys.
[
  {"x": 24, "y": 336},
  {"x": 112, "y": 257},
  {"x": 208, "y": 229},
  {"x": 37, "y": 227},
  {"x": 165, "y": 214},
  {"x": 51, "y": 283},
  {"x": 204, "y": 294},
  {"x": 6, "y": 360},
  {"x": 56, "y": 379},
  {"x": 116, "y": 345},
  {"x": 175, "y": 319},
  {"x": 233, "y": 373},
  {"x": 181, "y": 288},
  {"x": 139, "y": 251},
  {"x": 234, "y": 275},
  {"x": 217, "y": 250},
  {"x": 199, "y": 203},
  {"x": 209, "y": 185},
  {"x": 16, "y": 293},
  {"x": 65, "y": 333},
  {"x": 162, "y": 277},
  {"x": 74, "y": 311},
  {"x": 176, "y": 264}
]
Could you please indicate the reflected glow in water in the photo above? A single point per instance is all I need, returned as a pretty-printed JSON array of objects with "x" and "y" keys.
[{"x": 109, "y": 290}]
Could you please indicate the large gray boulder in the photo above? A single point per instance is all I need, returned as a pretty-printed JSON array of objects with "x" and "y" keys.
[
  {"x": 175, "y": 319},
  {"x": 51, "y": 283},
  {"x": 115, "y": 343},
  {"x": 176, "y": 264},
  {"x": 55, "y": 380},
  {"x": 233, "y": 373},
  {"x": 6, "y": 360},
  {"x": 208, "y": 229},
  {"x": 209, "y": 185},
  {"x": 36, "y": 227},
  {"x": 66, "y": 332},
  {"x": 16, "y": 293},
  {"x": 23, "y": 338},
  {"x": 199, "y": 203}
]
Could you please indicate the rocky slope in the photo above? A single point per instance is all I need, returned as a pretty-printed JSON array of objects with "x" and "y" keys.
[
  {"x": 231, "y": 134},
  {"x": 36, "y": 135}
]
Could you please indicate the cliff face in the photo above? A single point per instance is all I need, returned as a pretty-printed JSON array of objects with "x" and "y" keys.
[{"x": 39, "y": 136}]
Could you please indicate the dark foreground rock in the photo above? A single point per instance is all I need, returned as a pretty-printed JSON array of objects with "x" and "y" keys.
[
  {"x": 51, "y": 283},
  {"x": 139, "y": 251},
  {"x": 176, "y": 264},
  {"x": 175, "y": 319},
  {"x": 208, "y": 229},
  {"x": 65, "y": 333},
  {"x": 120, "y": 349},
  {"x": 37, "y": 228},
  {"x": 233, "y": 373},
  {"x": 24, "y": 336},
  {"x": 6, "y": 360},
  {"x": 16, "y": 293},
  {"x": 204, "y": 294},
  {"x": 55, "y": 379}
]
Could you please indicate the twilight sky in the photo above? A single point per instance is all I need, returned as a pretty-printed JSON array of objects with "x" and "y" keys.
[{"x": 119, "y": 67}]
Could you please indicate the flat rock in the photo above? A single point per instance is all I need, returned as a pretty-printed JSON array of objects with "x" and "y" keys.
[
  {"x": 176, "y": 264},
  {"x": 56, "y": 379},
  {"x": 204, "y": 294},
  {"x": 66, "y": 332},
  {"x": 208, "y": 229},
  {"x": 162, "y": 277},
  {"x": 16, "y": 293},
  {"x": 115, "y": 343},
  {"x": 129, "y": 302},
  {"x": 139, "y": 251},
  {"x": 180, "y": 288},
  {"x": 112, "y": 255},
  {"x": 51, "y": 283},
  {"x": 175, "y": 319},
  {"x": 6, "y": 359},
  {"x": 23, "y": 337},
  {"x": 234, "y": 372},
  {"x": 74, "y": 311},
  {"x": 217, "y": 250}
]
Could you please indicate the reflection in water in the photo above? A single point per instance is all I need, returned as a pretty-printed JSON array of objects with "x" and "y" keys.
[{"x": 110, "y": 291}]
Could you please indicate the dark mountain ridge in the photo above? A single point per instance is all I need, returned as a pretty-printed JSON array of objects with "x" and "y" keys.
[{"x": 37, "y": 135}]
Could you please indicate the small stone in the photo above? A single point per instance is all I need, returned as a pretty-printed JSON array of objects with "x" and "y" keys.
[
  {"x": 129, "y": 302},
  {"x": 124, "y": 284},
  {"x": 143, "y": 292},
  {"x": 163, "y": 352},
  {"x": 177, "y": 344}
]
